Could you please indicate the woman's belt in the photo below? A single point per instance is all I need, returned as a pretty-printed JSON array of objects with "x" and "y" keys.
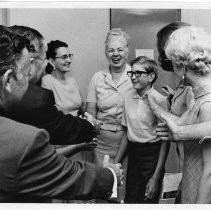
[{"x": 112, "y": 127}]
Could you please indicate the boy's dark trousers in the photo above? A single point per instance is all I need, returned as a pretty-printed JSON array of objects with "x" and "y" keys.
[{"x": 142, "y": 162}]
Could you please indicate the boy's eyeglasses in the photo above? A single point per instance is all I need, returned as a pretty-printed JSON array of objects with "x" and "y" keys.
[
  {"x": 65, "y": 57},
  {"x": 136, "y": 73}
]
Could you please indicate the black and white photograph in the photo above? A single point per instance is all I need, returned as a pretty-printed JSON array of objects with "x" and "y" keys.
[{"x": 105, "y": 103}]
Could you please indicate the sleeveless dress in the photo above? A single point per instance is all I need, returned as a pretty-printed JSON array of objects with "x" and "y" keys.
[{"x": 193, "y": 159}]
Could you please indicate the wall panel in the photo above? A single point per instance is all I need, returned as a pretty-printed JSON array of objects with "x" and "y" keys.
[{"x": 83, "y": 29}]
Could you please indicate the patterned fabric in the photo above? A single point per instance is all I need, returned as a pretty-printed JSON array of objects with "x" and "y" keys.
[
  {"x": 109, "y": 97},
  {"x": 180, "y": 103},
  {"x": 193, "y": 160}
]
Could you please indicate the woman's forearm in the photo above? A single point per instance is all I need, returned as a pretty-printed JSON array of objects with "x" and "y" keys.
[
  {"x": 198, "y": 131},
  {"x": 122, "y": 149},
  {"x": 163, "y": 154}
]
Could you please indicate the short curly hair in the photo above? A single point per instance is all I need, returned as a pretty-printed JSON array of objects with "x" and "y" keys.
[
  {"x": 191, "y": 47},
  {"x": 117, "y": 32}
]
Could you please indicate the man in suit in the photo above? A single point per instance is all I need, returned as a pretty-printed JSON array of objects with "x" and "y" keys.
[
  {"x": 37, "y": 106},
  {"x": 31, "y": 169}
]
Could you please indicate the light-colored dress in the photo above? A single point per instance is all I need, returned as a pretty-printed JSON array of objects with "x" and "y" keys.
[
  {"x": 109, "y": 99},
  {"x": 66, "y": 93},
  {"x": 193, "y": 159}
]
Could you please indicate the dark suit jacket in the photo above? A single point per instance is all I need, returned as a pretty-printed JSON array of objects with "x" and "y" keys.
[
  {"x": 38, "y": 108},
  {"x": 31, "y": 170}
]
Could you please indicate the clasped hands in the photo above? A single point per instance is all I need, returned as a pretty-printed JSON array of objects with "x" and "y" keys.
[
  {"x": 117, "y": 168},
  {"x": 96, "y": 123}
]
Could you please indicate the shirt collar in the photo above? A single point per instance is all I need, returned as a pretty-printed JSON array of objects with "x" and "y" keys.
[
  {"x": 123, "y": 78},
  {"x": 136, "y": 95}
]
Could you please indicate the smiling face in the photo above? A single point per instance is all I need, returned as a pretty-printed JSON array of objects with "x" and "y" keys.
[
  {"x": 117, "y": 52},
  {"x": 142, "y": 82},
  {"x": 62, "y": 60}
]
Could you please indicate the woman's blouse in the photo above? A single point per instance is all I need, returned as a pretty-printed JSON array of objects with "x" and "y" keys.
[
  {"x": 109, "y": 97},
  {"x": 138, "y": 117},
  {"x": 66, "y": 93}
]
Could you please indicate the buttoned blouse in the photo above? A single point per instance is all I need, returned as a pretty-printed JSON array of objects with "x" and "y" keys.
[
  {"x": 109, "y": 97},
  {"x": 66, "y": 93},
  {"x": 139, "y": 118}
]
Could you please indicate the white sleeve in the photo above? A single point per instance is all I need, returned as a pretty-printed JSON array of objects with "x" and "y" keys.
[{"x": 92, "y": 93}]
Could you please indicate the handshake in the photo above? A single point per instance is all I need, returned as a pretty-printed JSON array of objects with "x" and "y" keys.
[
  {"x": 96, "y": 123},
  {"x": 117, "y": 168}
]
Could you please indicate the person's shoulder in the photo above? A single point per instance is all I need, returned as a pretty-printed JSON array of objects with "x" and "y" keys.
[
  {"x": 48, "y": 78},
  {"x": 70, "y": 79},
  {"x": 18, "y": 135},
  {"x": 161, "y": 99},
  {"x": 157, "y": 94},
  {"x": 130, "y": 97},
  {"x": 99, "y": 75},
  {"x": 40, "y": 95},
  {"x": 131, "y": 93},
  {"x": 45, "y": 92}
]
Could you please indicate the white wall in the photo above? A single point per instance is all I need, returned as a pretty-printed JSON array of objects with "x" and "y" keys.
[
  {"x": 3, "y": 17},
  {"x": 83, "y": 29},
  {"x": 197, "y": 17}
]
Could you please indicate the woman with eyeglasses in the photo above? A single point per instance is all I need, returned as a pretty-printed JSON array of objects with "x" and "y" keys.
[
  {"x": 105, "y": 98},
  {"x": 66, "y": 93},
  {"x": 65, "y": 88}
]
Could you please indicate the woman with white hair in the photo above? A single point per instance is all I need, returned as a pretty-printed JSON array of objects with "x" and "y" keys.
[
  {"x": 189, "y": 48},
  {"x": 106, "y": 95}
]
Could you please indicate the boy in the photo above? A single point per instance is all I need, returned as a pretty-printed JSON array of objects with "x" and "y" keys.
[{"x": 146, "y": 153}]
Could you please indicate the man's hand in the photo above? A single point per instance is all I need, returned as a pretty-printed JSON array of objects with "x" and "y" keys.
[
  {"x": 86, "y": 146},
  {"x": 116, "y": 167}
]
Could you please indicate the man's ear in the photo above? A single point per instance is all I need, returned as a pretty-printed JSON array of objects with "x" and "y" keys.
[{"x": 6, "y": 80}]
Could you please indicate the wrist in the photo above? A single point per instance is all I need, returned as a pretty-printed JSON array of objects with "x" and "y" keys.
[
  {"x": 179, "y": 133},
  {"x": 157, "y": 174}
]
